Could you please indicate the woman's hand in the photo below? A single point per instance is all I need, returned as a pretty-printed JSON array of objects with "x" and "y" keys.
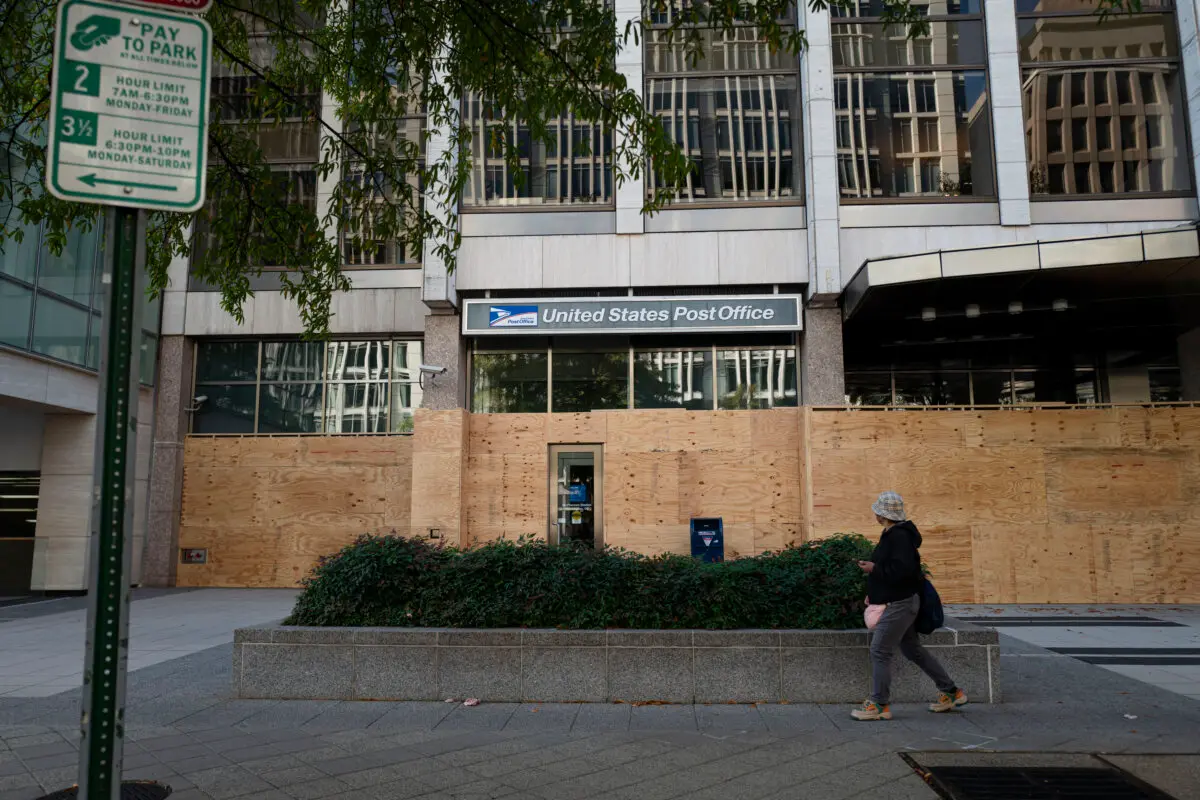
[{"x": 867, "y": 566}]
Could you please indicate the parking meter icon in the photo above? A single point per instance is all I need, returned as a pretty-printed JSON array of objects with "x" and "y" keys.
[{"x": 95, "y": 31}]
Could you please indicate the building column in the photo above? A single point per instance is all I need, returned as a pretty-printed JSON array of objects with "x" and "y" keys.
[
  {"x": 444, "y": 347},
  {"x": 60, "y": 548},
  {"x": 822, "y": 370},
  {"x": 821, "y": 190},
  {"x": 173, "y": 398},
  {"x": 631, "y": 193},
  {"x": 1008, "y": 118},
  {"x": 1189, "y": 363}
]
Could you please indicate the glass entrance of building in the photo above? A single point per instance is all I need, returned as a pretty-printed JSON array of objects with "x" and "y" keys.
[
  {"x": 18, "y": 522},
  {"x": 576, "y": 494}
]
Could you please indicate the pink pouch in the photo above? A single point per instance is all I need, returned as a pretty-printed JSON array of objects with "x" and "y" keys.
[{"x": 872, "y": 614}]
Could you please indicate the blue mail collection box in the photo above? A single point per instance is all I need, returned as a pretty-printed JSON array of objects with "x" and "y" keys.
[{"x": 708, "y": 539}]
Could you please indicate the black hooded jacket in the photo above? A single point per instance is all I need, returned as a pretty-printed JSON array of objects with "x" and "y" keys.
[{"x": 897, "y": 574}]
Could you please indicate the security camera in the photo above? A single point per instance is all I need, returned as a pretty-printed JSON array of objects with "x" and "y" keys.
[
  {"x": 197, "y": 401},
  {"x": 430, "y": 369},
  {"x": 201, "y": 398}
]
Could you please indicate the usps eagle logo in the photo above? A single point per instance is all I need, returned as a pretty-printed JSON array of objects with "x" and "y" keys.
[{"x": 513, "y": 317}]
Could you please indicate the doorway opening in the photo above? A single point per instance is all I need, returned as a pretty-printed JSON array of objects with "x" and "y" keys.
[
  {"x": 18, "y": 524},
  {"x": 577, "y": 494}
]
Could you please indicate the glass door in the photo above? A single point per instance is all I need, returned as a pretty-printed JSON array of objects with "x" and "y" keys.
[{"x": 576, "y": 494}]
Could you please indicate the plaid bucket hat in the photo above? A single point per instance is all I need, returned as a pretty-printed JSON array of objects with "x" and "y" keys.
[{"x": 889, "y": 506}]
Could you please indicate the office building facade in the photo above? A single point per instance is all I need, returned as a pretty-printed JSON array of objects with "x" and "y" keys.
[{"x": 997, "y": 214}]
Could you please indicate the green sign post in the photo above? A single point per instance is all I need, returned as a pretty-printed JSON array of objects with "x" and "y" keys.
[{"x": 128, "y": 120}]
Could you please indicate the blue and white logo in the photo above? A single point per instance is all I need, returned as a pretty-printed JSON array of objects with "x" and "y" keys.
[{"x": 513, "y": 317}]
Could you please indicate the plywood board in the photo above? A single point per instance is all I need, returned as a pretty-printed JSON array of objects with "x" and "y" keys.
[
  {"x": 770, "y": 537},
  {"x": 586, "y": 428},
  {"x": 776, "y": 429},
  {"x": 700, "y": 431},
  {"x": 440, "y": 430},
  {"x": 993, "y": 561},
  {"x": 222, "y": 496},
  {"x": 642, "y": 431},
  {"x": 845, "y": 481},
  {"x": 931, "y": 429},
  {"x": 1053, "y": 564},
  {"x": 203, "y": 451},
  {"x": 856, "y": 430},
  {"x": 960, "y": 486},
  {"x": 378, "y": 451},
  {"x": 508, "y": 433},
  {"x": 642, "y": 488},
  {"x": 1119, "y": 485},
  {"x": 272, "y": 451},
  {"x": 947, "y": 551},
  {"x": 1076, "y": 427},
  {"x": 777, "y": 482},
  {"x": 717, "y": 484}
]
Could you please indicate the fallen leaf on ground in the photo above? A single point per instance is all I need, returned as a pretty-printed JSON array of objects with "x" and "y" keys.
[{"x": 470, "y": 702}]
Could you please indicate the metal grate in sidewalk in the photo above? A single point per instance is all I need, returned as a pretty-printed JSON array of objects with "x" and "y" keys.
[
  {"x": 130, "y": 790},
  {"x": 1040, "y": 783}
]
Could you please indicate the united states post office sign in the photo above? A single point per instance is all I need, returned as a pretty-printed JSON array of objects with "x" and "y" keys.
[{"x": 772, "y": 312}]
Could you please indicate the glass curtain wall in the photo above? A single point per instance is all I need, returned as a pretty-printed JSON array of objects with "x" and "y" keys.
[
  {"x": 913, "y": 117},
  {"x": 559, "y": 379},
  {"x": 735, "y": 113},
  {"x": 968, "y": 387},
  {"x": 307, "y": 387},
  {"x": 1103, "y": 101},
  {"x": 51, "y": 304}
]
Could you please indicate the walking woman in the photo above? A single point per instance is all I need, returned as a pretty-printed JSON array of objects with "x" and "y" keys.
[{"x": 894, "y": 578}]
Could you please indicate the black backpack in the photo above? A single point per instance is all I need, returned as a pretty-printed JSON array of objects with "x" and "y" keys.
[{"x": 930, "y": 617}]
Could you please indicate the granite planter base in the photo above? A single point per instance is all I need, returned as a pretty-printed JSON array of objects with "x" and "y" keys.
[{"x": 553, "y": 666}]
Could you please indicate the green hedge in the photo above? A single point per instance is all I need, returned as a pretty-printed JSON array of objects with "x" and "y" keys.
[{"x": 394, "y": 581}]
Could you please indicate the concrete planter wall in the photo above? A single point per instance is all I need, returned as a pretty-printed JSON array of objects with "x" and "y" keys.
[{"x": 685, "y": 666}]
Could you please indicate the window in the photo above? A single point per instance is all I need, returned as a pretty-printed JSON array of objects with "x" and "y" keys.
[
  {"x": 47, "y": 301},
  {"x": 589, "y": 381},
  {"x": 735, "y": 114},
  {"x": 307, "y": 387},
  {"x": 756, "y": 378},
  {"x": 362, "y": 243},
  {"x": 573, "y": 168},
  {"x": 916, "y": 110},
  {"x": 673, "y": 379},
  {"x": 560, "y": 379},
  {"x": 509, "y": 383},
  {"x": 290, "y": 143},
  {"x": 978, "y": 386},
  {"x": 1124, "y": 82}
]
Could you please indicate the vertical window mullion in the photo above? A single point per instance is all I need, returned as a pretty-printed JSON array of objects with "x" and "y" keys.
[{"x": 258, "y": 384}]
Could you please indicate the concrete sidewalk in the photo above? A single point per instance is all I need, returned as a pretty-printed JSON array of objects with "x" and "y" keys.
[
  {"x": 1159, "y": 645},
  {"x": 186, "y": 731},
  {"x": 41, "y": 647}
]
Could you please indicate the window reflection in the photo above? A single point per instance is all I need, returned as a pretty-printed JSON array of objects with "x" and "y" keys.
[
  {"x": 1103, "y": 103},
  {"x": 590, "y": 381},
  {"x": 735, "y": 112},
  {"x": 913, "y": 116},
  {"x": 741, "y": 134},
  {"x": 509, "y": 383},
  {"x": 573, "y": 167},
  {"x": 756, "y": 378},
  {"x": 307, "y": 387},
  {"x": 289, "y": 408},
  {"x": 673, "y": 379}
]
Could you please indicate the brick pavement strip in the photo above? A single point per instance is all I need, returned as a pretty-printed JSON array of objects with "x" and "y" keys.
[{"x": 184, "y": 730}]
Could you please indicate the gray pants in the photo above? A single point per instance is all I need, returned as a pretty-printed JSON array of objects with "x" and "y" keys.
[{"x": 897, "y": 626}]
